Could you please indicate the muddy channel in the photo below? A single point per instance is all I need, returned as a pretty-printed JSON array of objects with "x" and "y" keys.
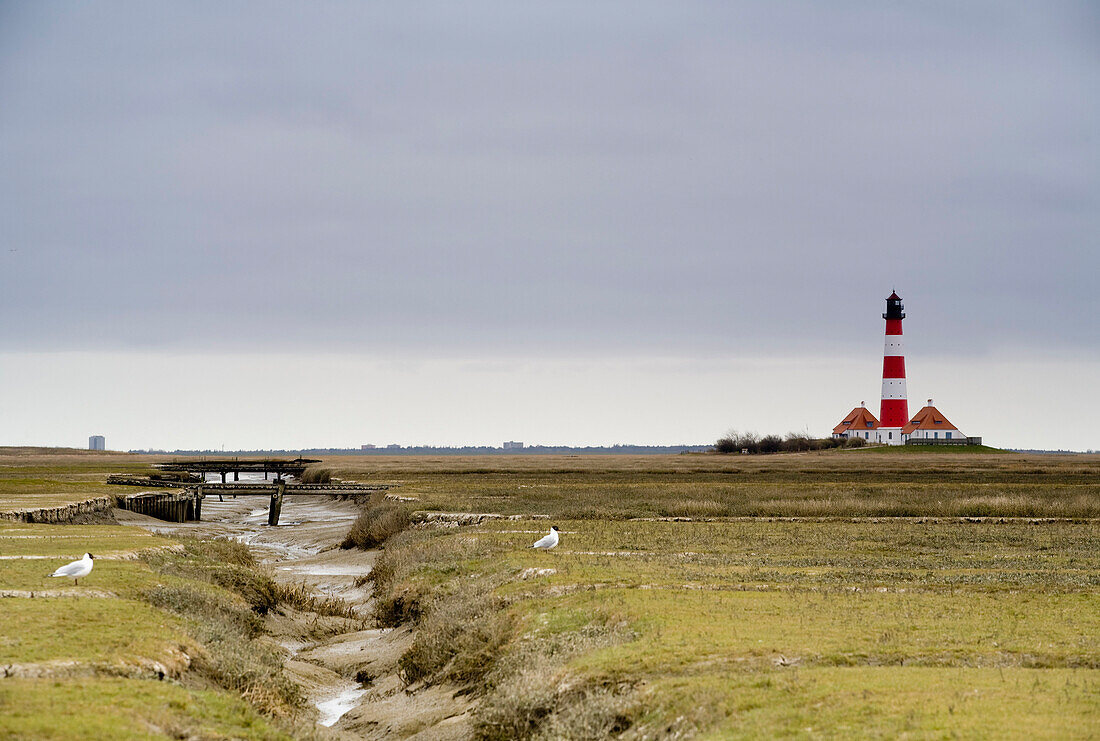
[{"x": 347, "y": 669}]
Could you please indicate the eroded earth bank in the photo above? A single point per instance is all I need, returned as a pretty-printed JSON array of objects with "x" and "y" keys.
[{"x": 347, "y": 668}]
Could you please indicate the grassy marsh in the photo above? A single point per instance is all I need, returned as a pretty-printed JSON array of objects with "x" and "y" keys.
[
  {"x": 898, "y": 627},
  {"x": 839, "y": 483},
  {"x": 832, "y": 625},
  {"x": 181, "y": 609}
]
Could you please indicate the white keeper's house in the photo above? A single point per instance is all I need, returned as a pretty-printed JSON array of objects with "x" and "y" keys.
[
  {"x": 927, "y": 424},
  {"x": 858, "y": 423},
  {"x": 930, "y": 424}
]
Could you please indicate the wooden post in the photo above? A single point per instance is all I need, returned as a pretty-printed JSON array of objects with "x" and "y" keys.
[
  {"x": 276, "y": 504},
  {"x": 236, "y": 475},
  {"x": 198, "y": 505},
  {"x": 223, "y": 477}
]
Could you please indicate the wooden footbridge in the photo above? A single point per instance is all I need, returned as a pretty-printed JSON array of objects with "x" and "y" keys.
[
  {"x": 182, "y": 506},
  {"x": 280, "y": 467}
]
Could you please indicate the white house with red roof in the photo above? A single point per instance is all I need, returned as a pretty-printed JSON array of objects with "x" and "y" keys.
[
  {"x": 930, "y": 424},
  {"x": 858, "y": 423},
  {"x": 927, "y": 424}
]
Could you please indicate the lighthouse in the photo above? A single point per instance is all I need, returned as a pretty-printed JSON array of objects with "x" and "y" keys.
[
  {"x": 927, "y": 427},
  {"x": 894, "y": 410}
]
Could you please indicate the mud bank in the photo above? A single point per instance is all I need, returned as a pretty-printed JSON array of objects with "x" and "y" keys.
[{"x": 348, "y": 670}]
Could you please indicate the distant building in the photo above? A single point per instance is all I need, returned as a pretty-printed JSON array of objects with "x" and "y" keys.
[
  {"x": 512, "y": 445},
  {"x": 97, "y": 442},
  {"x": 858, "y": 423},
  {"x": 368, "y": 446},
  {"x": 929, "y": 424},
  {"x": 393, "y": 446}
]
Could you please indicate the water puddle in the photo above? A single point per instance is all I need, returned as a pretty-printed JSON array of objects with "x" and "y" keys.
[
  {"x": 334, "y": 709},
  {"x": 324, "y": 570}
]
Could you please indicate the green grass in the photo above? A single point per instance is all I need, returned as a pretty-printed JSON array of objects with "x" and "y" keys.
[
  {"x": 890, "y": 702},
  {"x": 919, "y": 625},
  {"x": 65, "y": 541},
  {"x": 127, "y": 579},
  {"x": 746, "y": 629},
  {"x": 40, "y": 493},
  {"x": 191, "y": 611},
  {"x": 91, "y": 630},
  {"x": 42, "y": 478},
  {"x": 125, "y": 710}
]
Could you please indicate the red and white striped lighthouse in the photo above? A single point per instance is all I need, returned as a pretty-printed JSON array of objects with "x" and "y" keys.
[{"x": 894, "y": 412}]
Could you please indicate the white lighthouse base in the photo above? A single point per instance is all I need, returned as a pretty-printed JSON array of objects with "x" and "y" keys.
[{"x": 889, "y": 436}]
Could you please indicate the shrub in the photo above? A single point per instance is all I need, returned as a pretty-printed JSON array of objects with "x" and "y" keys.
[
  {"x": 255, "y": 587},
  {"x": 300, "y": 597},
  {"x": 794, "y": 442},
  {"x": 459, "y": 636},
  {"x": 770, "y": 444},
  {"x": 206, "y": 606},
  {"x": 798, "y": 442},
  {"x": 380, "y": 520},
  {"x": 534, "y": 695},
  {"x": 231, "y": 657},
  {"x": 597, "y": 713},
  {"x": 253, "y": 668},
  {"x": 726, "y": 445},
  {"x": 735, "y": 442},
  {"x": 397, "y": 596}
]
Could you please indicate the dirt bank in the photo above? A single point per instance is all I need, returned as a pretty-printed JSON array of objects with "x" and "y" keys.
[{"x": 347, "y": 669}]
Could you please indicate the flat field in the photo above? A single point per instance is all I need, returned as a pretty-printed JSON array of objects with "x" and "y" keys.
[
  {"x": 850, "y": 483},
  {"x": 867, "y": 594},
  {"x": 976, "y": 614},
  {"x": 85, "y": 661},
  {"x": 161, "y": 640},
  {"x": 36, "y": 478}
]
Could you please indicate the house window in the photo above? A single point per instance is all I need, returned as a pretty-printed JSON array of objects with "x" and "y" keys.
[
  {"x": 870, "y": 424},
  {"x": 866, "y": 435},
  {"x": 935, "y": 435},
  {"x": 890, "y": 435},
  {"x": 947, "y": 435}
]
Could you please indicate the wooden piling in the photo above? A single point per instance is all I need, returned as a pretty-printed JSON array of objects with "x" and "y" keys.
[{"x": 276, "y": 504}]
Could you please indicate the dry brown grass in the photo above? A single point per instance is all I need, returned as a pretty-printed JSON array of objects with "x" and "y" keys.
[
  {"x": 866, "y": 461},
  {"x": 378, "y": 521},
  {"x": 820, "y": 484}
]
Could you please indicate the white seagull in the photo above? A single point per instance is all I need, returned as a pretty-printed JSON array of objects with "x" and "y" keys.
[
  {"x": 76, "y": 569},
  {"x": 548, "y": 541}
]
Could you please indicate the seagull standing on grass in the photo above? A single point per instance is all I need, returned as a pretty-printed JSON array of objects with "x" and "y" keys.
[
  {"x": 548, "y": 541},
  {"x": 76, "y": 569}
]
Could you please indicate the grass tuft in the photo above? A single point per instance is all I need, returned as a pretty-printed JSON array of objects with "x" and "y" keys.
[
  {"x": 534, "y": 695},
  {"x": 379, "y": 520},
  {"x": 460, "y": 635}
]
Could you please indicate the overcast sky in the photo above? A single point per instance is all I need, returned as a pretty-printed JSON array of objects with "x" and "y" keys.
[{"x": 277, "y": 224}]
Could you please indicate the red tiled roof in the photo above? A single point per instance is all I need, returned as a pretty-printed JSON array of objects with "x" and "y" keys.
[
  {"x": 928, "y": 418},
  {"x": 857, "y": 419}
]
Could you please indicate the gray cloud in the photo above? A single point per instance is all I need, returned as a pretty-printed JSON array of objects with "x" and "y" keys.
[{"x": 570, "y": 178}]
